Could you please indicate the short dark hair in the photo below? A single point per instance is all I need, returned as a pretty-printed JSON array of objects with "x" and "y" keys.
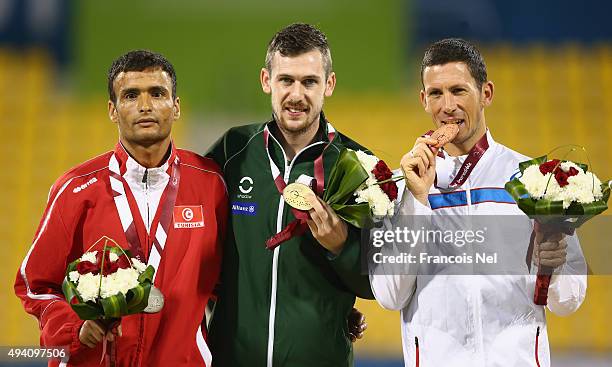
[
  {"x": 296, "y": 39},
  {"x": 456, "y": 50},
  {"x": 139, "y": 60}
]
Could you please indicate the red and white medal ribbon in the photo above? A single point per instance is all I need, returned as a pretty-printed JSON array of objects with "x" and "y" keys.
[
  {"x": 470, "y": 162},
  {"x": 160, "y": 226},
  {"x": 298, "y": 226}
]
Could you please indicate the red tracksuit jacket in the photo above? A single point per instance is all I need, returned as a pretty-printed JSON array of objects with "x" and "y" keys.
[{"x": 80, "y": 210}]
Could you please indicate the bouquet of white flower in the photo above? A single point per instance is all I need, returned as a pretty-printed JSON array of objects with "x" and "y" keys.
[
  {"x": 560, "y": 195},
  {"x": 107, "y": 284}
]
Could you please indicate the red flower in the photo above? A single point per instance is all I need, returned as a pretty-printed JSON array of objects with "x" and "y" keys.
[
  {"x": 84, "y": 267},
  {"x": 109, "y": 266},
  {"x": 561, "y": 178},
  {"x": 390, "y": 188},
  {"x": 123, "y": 262},
  {"x": 548, "y": 167},
  {"x": 572, "y": 172},
  {"x": 381, "y": 171}
]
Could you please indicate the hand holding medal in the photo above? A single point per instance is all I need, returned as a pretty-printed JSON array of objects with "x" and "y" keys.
[{"x": 419, "y": 165}]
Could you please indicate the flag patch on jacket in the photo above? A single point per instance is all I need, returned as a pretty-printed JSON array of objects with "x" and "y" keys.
[{"x": 188, "y": 216}]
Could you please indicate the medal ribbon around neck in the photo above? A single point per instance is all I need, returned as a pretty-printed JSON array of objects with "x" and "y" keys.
[
  {"x": 160, "y": 226},
  {"x": 470, "y": 162},
  {"x": 299, "y": 225}
]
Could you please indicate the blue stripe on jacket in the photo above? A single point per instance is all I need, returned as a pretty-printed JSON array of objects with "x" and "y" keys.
[{"x": 478, "y": 195}]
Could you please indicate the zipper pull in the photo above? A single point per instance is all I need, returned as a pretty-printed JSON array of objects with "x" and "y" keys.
[{"x": 144, "y": 177}]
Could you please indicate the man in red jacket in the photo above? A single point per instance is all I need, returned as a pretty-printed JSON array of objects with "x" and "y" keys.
[{"x": 167, "y": 205}]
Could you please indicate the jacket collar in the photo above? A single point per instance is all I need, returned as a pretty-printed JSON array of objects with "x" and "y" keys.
[{"x": 133, "y": 171}]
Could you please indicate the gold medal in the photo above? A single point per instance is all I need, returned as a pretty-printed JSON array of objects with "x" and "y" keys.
[
  {"x": 295, "y": 195},
  {"x": 155, "y": 302}
]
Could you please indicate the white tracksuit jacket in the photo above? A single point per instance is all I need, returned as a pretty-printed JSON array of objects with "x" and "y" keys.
[{"x": 476, "y": 320}]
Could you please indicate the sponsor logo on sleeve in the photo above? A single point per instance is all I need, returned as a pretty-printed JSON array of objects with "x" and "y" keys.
[
  {"x": 188, "y": 216},
  {"x": 244, "y": 208},
  {"x": 82, "y": 187}
]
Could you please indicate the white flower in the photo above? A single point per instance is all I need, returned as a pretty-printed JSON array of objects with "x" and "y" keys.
[
  {"x": 535, "y": 181},
  {"x": 88, "y": 286},
  {"x": 73, "y": 276},
  {"x": 113, "y": 257},
  {"x": 119, "y": 282},
  {"x": 583, "y": 188},
  {"x": 138, "y": 265},
  {"x": 370, "y": 192},
  {"x": 377, "y": 199},
  {"x": 565, "y": 166},
  {"x": 89, "y": 256}
]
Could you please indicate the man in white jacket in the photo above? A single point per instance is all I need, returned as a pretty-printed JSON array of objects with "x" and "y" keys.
[{"x": 470, "y": 320}]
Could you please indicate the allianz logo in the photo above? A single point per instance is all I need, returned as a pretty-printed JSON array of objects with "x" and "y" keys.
[{"x": 85, "y": 185}]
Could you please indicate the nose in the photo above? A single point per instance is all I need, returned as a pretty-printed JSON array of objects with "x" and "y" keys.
[
  {"x": 449, "y": 103},
  {"x": 144, "y": 103},
  {"x": 295, "y": 93}
]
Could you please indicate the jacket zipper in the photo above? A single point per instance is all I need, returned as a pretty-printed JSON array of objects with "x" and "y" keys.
[
  {"x": 279, "y": 222},
  {"x": 537, "y": 360}
]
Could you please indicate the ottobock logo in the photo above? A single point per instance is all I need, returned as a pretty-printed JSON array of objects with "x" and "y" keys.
[
  {"x": 245, "y": 187},
  {"x": 188, "y": 216},
  {"x": 85, "y": 185},
  {"x": 244, "y": 208}
]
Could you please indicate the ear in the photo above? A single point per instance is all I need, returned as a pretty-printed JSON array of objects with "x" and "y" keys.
[
  {"x": 264, "y": 78},
  {"x": 112, "y": 112},
  {"x": 330, "y": 84},
  {"x": 424, "y": 101},
  {"x": 177, "y": 108},
  {"x": 486, "y": 94}
]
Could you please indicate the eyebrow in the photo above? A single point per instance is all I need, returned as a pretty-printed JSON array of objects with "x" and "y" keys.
[
  {"x": 313, "y": 76},
  {"x": 137, "y": 90}
]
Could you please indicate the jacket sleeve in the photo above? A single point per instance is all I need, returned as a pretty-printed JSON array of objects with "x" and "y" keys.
[
  {"x": 567, "y": 288},
  {"x": 39, "y": 281},
  {"x": 348, "y": 265},
  {"x": 394, "y": 287}
]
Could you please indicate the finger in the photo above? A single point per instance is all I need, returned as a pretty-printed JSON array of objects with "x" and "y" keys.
[
  {"x": 551, "y": 246},
  {"x": 424, "y": 149},
  {"x": 110, "y": 336},
  {"x": 421, "y": 167},
  {"x": 97, "y": 328},
  {"x": 313, "y": 227},
  {"x": 425, "y": 140},
  {"x": 363, "y": 326},
  {"x": 120, "y": 330}
]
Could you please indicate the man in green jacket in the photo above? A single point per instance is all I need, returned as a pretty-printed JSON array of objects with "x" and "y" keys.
[{"x": 287, "y": 306}]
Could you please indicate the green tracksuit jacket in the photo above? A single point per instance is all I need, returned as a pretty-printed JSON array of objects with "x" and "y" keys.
[{"x": 286, "y": 307}]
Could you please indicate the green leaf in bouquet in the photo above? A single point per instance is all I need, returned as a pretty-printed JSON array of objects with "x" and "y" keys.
[
  {"x": 547, "y": 207},
  {"x": 527, "y": 205},
  {"x": 516, "y": 189},
  {"x": 120, "y": 251},
  {"x": 84, "y": 310},
  {"x": 346, "y": 176},
  {"x": 605, "y": 190},
  {"x": 114, "y": 306},
  {"x": 539, "y": 160},
  {"x": 357, "y": 214},
  {"x": 147, "y": 275},
  {"x": 138, "y": 297}
]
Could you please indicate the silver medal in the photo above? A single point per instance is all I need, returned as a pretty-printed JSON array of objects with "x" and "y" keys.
[{"x": 155, "y": 302}]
